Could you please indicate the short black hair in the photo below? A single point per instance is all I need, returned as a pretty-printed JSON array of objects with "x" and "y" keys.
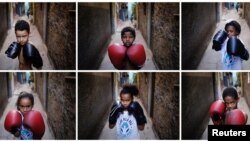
[
  {"x": 24, "y": 95},
  {"x": 128, "y": 29},
  {"x": 22, "y": 25},
  {"x": 230, "y": 91},
  {"x": 130, "y": 89},
  {"x": 235, "y": 24}
]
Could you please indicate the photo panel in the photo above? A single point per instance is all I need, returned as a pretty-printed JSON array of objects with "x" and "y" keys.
[
  {"x": 215, "y": 36},
  {"x": 215, "y": 100},
  {"x": 128, "y": 36},
  {"x": 38, "y": 36},
  {"x": 128, "y": 105},
  {"x": 38, "y": 105}
]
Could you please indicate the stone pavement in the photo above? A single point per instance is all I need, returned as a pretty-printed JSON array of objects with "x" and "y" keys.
[
  {"x": 116, "y": 38},
  {"x": 212, "y": 59},
  {"x": 35, "y": 38},
  {"x": 48, "y": 135}
]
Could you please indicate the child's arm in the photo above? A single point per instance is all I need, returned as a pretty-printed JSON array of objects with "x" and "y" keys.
[
  {"x": 13, "y": 122},
  {"x": 217, "y": 112},
  {"x": 117, "y": 55},
  {"x": 34, "y": 121},
  {"x": 116, "y": 110},
  {"x": 236, "y": 47},
  {"x": 137, "y": 55},
  {"x": 13, "y": 50},
  {"x": 138, "y": 113},
  {"x": 235, "y": 117},
  {"x": 32, "y": 54},
  {"x": 219, "y": 39}
]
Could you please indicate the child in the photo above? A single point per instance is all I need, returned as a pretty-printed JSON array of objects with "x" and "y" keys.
[
  {"x": 226, "y": 111},
  {"x": 128, "y": 56},
  {"x": 26, "y": 52},
  {"x": 127, "y": 115},
  {"x": 25, "y": 122},
  {"x": 232, "y": 48}
]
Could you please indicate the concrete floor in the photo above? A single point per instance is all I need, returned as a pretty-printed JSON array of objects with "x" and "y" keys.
[
  {"x": 212, "y": 59},
  {"x": 48, "y": 135},
  {"x": 116, "y": 38},
  {"x": 35, "y": 39},
  {"x": 146, "y": 134}
]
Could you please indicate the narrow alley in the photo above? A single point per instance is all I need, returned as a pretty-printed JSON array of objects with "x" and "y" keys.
[
  {"x": 51, "y": 93},
  {"x": 241, "y": 105},
  {"x": 12, "y": 105},
  {"x": 35, "y": 39},
  {"x": 200, "y": 90},
  {"x": 214, "y": 62},
  {"x": 160, "y": 103},
  {"x": 52, "y": 32},
  {"x": 201, "y": 21},
  {"x": 100, "y": 25}
]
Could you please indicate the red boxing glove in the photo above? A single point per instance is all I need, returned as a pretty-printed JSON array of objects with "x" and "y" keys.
[
  {"x": 34, "y": 121},
  {"x": 117, "y": 54},
  {"x": 235, "y": 117},
  {"x": 136, "y": 55},
  {"x": 13, "y": 121},
  {"x": 217, "y": 112}
]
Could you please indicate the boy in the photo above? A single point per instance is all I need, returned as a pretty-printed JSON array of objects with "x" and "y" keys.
[
  {"x": 226, "y": 111},
  {"x": 128, "y": 56},
  {"x": 232, "y": 48},
  {"x": 27, "y": 54}
]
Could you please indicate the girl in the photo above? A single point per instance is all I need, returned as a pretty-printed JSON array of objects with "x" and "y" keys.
[
  {"x": 127, "y": 115},
  {"x": 25, "y": 123},
  {"x": 25, "y": 103}
]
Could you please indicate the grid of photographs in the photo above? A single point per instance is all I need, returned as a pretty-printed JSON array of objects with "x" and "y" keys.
[{"x": 122, "y": 70}]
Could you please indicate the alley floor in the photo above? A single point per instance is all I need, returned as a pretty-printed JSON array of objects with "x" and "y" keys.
[
  {"x": 48, "y": 135},
  {"x": 116, "y": 38},
  {"x": 146, "y": 134},
  {"x": 35, "y": 39},
  {"x": 211, "y": 59}
]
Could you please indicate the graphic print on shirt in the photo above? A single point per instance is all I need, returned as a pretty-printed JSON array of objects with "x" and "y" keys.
[
  {"x": 229, "y": 60},
  {"x": 25, "y": 133},
  {"x": 126, "y": 127}
]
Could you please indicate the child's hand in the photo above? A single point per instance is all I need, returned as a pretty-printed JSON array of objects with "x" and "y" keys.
[
  {"x": 217, "y": 111},
  {"x": 13, "y": 121},
  {"x": 116, "y": 110},
  {"x": 137, "y": 111},
  {"x": 17, "y": 133}
]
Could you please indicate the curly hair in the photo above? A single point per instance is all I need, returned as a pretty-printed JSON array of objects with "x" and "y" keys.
[{"x": 235, "y": 24}]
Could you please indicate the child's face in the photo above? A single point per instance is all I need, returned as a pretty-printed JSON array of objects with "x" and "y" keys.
[
  {"x": 25, "y": 105},
  {"x": 126, "y": 99},
  {"x": 231, "y": 103},
  {"x": 231, "y": 31},
  {"x": 22, "y": 36},
  {"x": 128, "y": 39}
]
